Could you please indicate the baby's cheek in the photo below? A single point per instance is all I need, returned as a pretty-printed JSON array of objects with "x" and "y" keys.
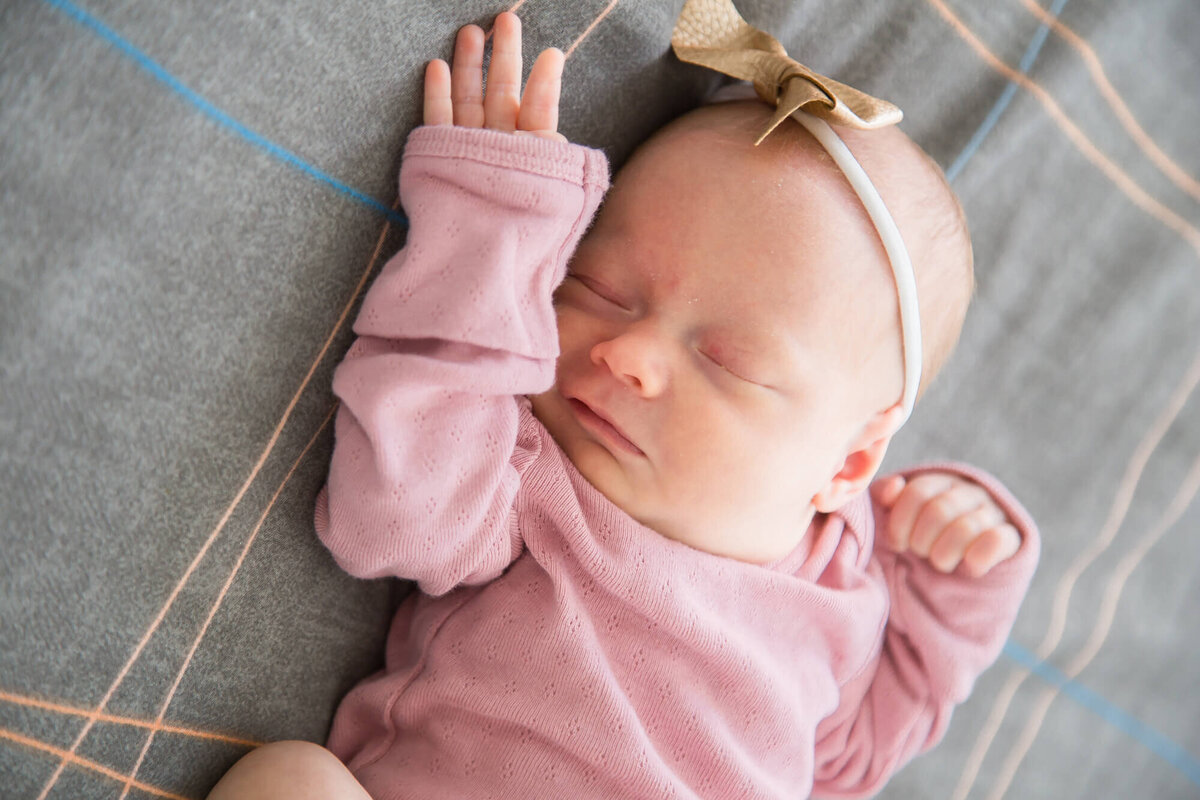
[
  {"x": 575, "y": 341},
  {"x": 770, "y": 458},
  {"x": 714, "y": 452},
  {"x": 568, "y": 324}
]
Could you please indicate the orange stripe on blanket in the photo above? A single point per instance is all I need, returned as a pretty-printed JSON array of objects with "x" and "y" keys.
[
  {"x": 1114, "y": 173},
  {"x": 1122, "y": 499},
  {"x": 157, "y": 725},
  {"x": 487, "y": 36},
  {"x": 588, "y": 31},
  {"x": 92, "y": 716},
  {"x": 1143, "y": 140},
  {"x": 74, "y": 711},
  {"x": 68, "y": 757},
  {"x": 1108, "y": 611}
]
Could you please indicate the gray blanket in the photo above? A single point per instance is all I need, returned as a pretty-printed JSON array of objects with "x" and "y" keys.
[{"x": 192, "y": 195}]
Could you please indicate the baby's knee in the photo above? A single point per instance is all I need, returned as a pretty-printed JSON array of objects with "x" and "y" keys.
[{"x": 294, "y": 770}]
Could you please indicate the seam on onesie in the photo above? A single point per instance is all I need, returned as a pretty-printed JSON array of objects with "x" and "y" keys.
[{"x": 390, "y": 722}]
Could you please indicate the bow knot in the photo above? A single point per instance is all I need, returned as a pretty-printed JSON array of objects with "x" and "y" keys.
[{"x": 712, "y": 34}]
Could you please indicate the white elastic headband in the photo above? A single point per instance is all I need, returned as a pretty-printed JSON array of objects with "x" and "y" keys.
[{"x": 893, "y": 244}]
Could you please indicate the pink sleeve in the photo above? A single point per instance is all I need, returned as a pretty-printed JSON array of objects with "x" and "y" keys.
[
  {"x": 942, "y": 632},
  {"x": 458, "y": 324}
]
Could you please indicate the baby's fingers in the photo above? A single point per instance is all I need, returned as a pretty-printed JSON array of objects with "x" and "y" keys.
[
  {"x": 886, "y": 491},
  {"x": 942, "y": 510},
  {"x": 957, "y": 538},
  {"x": 439, "y": 110},
  {"x": 467, "y": 77},
  {"x": 503, "y": 98},
  {"x": 997, "y": 545},
  {"x": 908, "y": 505},
  {"x": 539, "y": 104}
]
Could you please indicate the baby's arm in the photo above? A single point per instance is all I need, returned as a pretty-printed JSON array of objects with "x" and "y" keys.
[
  {"x": 428, "y": 449},
  {"x": 956, "y": 553}
]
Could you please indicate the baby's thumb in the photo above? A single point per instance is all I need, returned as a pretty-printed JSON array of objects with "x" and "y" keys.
[{"x": 884, "y": 492}]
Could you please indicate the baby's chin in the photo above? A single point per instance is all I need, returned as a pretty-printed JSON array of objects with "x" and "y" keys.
[
  {"x": 727, "y": 532},
  {"x": 598, "y": 466}
]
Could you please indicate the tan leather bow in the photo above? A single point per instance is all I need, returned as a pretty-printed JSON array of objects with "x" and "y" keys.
[{"x": 712, "y": 34}]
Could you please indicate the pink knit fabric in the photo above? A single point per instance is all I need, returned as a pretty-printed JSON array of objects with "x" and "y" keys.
[{"x": 558, "y": 648}]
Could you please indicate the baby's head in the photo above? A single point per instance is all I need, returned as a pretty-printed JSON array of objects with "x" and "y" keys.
[{"x": 731, "y": 351}]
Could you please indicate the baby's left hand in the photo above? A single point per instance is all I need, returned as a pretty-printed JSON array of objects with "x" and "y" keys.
[
  {"x": 454, "y": 95},
  {"x": 947, "y": 520}
]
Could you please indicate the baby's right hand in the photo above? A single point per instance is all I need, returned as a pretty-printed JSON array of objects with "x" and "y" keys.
[
  {"x": 455, "y": 96},
  {"x": 946, "y": 520}
]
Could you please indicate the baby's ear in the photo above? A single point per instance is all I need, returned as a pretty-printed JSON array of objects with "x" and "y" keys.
[{"x": 863, "y": 457}]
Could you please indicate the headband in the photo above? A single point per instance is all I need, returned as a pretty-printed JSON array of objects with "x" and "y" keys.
[{"x": 712, "y": 34}]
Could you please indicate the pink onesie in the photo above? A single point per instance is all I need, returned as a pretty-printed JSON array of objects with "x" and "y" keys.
[{"x": 558, "y": 648}]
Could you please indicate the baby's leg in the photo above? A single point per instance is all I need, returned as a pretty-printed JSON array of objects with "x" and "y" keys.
[{"x": 289, "y": 771}]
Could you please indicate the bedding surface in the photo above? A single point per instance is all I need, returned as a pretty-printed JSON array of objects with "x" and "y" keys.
[{"x": 193, "y": 195}]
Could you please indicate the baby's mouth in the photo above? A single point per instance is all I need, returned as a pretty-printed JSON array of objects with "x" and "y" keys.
[{"x": 597, "y": 423}]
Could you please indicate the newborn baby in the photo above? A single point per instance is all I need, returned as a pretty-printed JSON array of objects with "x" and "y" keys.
[{"x": 633, "y": 478}]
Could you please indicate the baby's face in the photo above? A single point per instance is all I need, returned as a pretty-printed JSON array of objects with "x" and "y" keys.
[{"x": 715, "y": 363}]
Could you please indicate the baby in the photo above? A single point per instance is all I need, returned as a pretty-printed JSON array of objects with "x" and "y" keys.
[{"x": 638, "y": 500}]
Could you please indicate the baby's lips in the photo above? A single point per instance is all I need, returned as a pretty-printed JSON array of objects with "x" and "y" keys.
[{"x": 606, "y": 418}]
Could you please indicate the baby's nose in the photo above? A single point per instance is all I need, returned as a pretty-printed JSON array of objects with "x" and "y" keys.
[{"x": 633, "y": 359}]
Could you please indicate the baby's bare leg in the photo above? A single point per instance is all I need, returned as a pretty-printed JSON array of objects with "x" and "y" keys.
[{"x": 289, "y": 771}]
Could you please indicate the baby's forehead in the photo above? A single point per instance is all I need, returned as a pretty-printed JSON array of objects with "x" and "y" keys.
[
  {"x": 714, "y": 215},
  {"x": 714, "y": 155},
  {"x": 793, "y": 156},
  {"x": 735, "y": 127},
  {"x": 793, "y": 172},
  {"x": 702, "y": 182}
]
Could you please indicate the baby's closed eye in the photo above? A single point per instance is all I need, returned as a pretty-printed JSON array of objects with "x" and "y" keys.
[
  {"x": 733, "y": 362},
  {"x": 600, "y": 290}
]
